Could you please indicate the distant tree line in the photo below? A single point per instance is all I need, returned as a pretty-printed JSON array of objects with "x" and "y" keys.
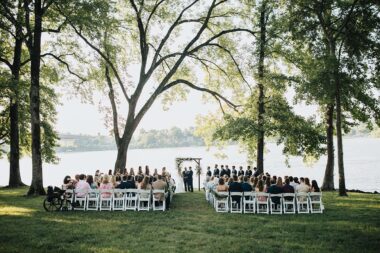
[{"x": 165, "y": 138}]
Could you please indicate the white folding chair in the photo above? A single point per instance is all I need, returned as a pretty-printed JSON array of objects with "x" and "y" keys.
[
  {"x": 289, "y": 203},
  {"x": 69, "y": 195},
  {"x": 221, "y": 202},
  {"x": 156, "y": 200},
  {"x": 131, "y": 198},
  {"x": 302, "y": 202},
  {"x": 249, "y": 202},
  {"x": 80, "y": 199},
  {"x": 144, "y": 200},
  {"x": 118, "y": 200},
  {"x": 207, "y": 193},
  {"x": 93, "y": 200},
  {"x": 316, "y": 205},
  {"x": 236, "y": 206},
  {"x": 275, "y": 201},
  {"x": 262, "y": 202},
  {"x": 105, "y": 202}
]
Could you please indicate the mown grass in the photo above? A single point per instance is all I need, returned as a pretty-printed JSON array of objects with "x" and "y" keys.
[{"x": 349, "y": 224}]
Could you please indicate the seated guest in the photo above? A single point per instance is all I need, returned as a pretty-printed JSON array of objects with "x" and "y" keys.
[
  {"x": 229, "y": 180},
  {"x": 106, "y": 185},
  {"x": 117, "y": 180},
  {"x": 145, "y": 186},
  {"x": 67, "y": 183},
  {"x": 82, "y": 187},
  {"x": 110, "y": 173},
  {"x": 314, "y": 186},
  {"x": 211, "y": 184},
  {"x": 90, "y": 181},
  {"x": 287, "y": 188},
  {"x": 307, "y": 182},
  {"x": 296, "y": 180},
  {"x": 276, "y": 188},
  {"x": 132, "y": 172},
  {"x": 302, "y": 187},
  {"x": 235, "y": 186},
  {"x": 292, "y": 183},
  {"x": 155, "y": 173},
  {"x": 267, "y": 184},
  {"x": 260, "y": 188},
  {"x": 245, "y": 185},
  {"x": 138, "y": 180},
  {"x": 159, "y": 184},
  {"x": 123, "y": 183},
  {"x": 221, "y": 186},
  {"x": 97, "y": 174}
]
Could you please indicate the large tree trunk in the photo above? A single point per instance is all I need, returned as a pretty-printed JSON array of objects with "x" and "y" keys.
[
  {"x": 261, "y": 102},
  {"x": 328, "y": 180},
  {"x": 122, "y": 152},
  {"x": 36, "y": 187},
  {"x": 14, "y": 163},
  {"x": 342, "y": 181}
]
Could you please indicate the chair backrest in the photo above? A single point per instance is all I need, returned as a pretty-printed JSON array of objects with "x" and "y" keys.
[
  {"x": 93, "y": 192},
  {"x": 119, "y": 193},
  {"x": 221, "y": 194},
  {"x": 82, "y": 193},
  {"x": 144, "y": 193},
  {"x": 302, "y": 196},
  {"x": 106, "y": 193},
  {"x": 315, "y": 196},
  {"x": 288, "y": 196},
  {"x": 236, "y": 194}
]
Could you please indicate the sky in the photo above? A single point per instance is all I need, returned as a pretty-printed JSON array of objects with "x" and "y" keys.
[{"x": 80, "y": 118}]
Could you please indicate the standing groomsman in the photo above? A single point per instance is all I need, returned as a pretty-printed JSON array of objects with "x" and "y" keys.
[
  {"x": 222, "y": 171},
  {"x": 190, "y": 180},
  {"x": 248, "y": 172},
  {"x": 241, "y": 171},
  {"x": 185, "y": 175},
  {"x": 234, "y": 171},
  {"x": 216, "y": 171},
  {"x": 228, "y": 171},
  {"x": 208, "y": 173}
]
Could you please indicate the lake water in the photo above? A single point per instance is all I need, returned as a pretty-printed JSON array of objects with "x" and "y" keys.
[{"x": 362, "y": 163}]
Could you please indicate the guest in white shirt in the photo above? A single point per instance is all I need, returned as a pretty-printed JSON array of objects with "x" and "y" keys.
[{"x": 82, "y": 187}]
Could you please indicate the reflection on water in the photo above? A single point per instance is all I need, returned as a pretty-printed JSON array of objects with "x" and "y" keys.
[{"x": 362, "y": 163}]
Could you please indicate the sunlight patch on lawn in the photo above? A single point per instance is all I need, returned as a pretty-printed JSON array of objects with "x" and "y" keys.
[{"x": 16, "y": 211}]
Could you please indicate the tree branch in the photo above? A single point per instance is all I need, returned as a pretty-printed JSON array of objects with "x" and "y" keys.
[
  {"x": 108, "y": 61},
  {"x": 6, "y": 62},
  {"x": 111, "y": 96},
  {"x": 193, "y": 86},
  {"x": 59, "y": 59}
]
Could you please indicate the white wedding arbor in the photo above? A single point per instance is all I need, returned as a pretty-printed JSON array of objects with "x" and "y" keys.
[{"x": 198, "y": 169}]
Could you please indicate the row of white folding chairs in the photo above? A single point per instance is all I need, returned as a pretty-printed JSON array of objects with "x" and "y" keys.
[
  {"x": 259, "y": 202},
  {"x": 117, "y": 200}
]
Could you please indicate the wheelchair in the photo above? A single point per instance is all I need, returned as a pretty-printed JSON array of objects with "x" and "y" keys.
[{"x": 56, "y": 200}]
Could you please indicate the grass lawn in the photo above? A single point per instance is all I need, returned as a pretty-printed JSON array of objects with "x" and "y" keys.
[{"x": 349, "y": 225}]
